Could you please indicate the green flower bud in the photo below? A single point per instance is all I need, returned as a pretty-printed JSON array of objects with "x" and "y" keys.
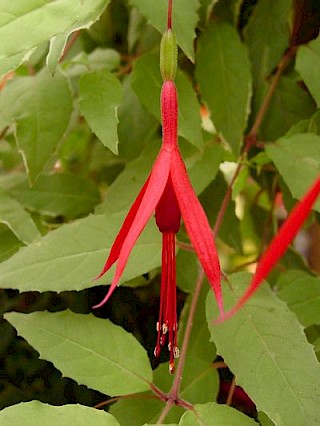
[{"x": 168, "y": 55}]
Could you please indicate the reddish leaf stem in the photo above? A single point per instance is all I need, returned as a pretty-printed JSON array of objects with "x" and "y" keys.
[{"x": 73, "y": 38}]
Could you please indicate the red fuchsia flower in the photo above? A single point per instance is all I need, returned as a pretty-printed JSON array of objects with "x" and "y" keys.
[
  {"x": 278, "y": 245},
  {"x": 168, "y": 193}
]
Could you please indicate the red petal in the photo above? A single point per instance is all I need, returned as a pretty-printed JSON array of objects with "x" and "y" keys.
[
  {"x": 117, "y": 245},
  {"x": 279, "y": 244},
  {"x": 157, "y": 182},
  {"x": 197, "y": 225}
]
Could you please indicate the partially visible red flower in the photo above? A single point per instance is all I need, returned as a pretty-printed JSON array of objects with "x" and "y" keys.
[
  {"x": 168, "y": 193},
  {"x": 279, "y": 244}
]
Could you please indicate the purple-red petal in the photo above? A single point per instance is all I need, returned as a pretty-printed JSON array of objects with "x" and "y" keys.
[
  {"x": 279, "y": 245},
  {"x": 118, "y": 242},
  {"x": 154, "y": 189},
  {"x": 197, "y": 225}
]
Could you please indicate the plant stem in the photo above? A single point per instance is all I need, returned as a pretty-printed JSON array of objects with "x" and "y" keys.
[
  {"x": 250, "y": 139},
  {"x": 284, "y": 61},
  {"x": 169, "y": 19},
  {"x": 69, "y": 44},
  {"x": 231, "y": 391}
]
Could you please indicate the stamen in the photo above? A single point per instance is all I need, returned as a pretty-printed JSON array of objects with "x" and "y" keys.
[
  {"x": 164, "y": 328},
  {"x": 176, "y": 352}
]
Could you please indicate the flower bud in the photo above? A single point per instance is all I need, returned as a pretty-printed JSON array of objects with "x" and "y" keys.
[{"x": 168, "y": 55}]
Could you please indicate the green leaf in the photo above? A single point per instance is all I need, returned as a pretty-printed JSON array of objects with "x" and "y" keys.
[
  {"x": 147, "y": 83},
  {"x": 289, "y": 104},
  {"x": 97, "y": 60},
  {"x": 92, "y": 351},
  {"x": 59, "y": 194},
  {"x": 267, "y": 37},
  {"x": 9, "y": 243},
  {"x": 184, "y": 20},
  {"x": 297, "y": 158},
  {"x": 137, "y": 127},
  {"x": 223, "y": 74},
  {"x": 206, "y": 9},
  {"x": 265, "y": 347},
  {"x": 36, "y": 413},
  {"x": 17, "y": 219},
  {"x": 213, "y": 414},
  {"x": 56, "y": 49},
  {"x": 49, "y": 17},
  {"x": 308, "y": 65},
  {"x": 302, "y": 294},
  {"x": 264, "y": 419},
  {"x": 40, "y": 106},
  {"x": 203, "y": 165},
  {"x": 229, "y": 11},
  {"x": 100, "y": 97},
  {"x": 70, "y": 257}
]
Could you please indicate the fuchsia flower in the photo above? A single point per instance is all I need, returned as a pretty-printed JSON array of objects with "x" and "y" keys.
[
  {"x": 278, "y": 245},
  {"x": 168, "y": 193}
]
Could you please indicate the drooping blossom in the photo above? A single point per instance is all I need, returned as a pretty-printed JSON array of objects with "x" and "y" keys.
[
  {"x": 278, "y": 245},
  {"x": 167, "y": 193}
]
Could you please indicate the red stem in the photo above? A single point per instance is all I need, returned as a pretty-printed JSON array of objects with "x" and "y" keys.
[{"x": 169, "y": 20}]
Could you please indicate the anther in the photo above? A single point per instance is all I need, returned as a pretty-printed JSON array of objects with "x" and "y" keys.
[
  {"x": 171, "y": 367},
  {"x": 164, "y": 328}
]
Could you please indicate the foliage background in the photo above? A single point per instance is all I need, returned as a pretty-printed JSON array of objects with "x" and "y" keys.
[{"x": 80, "y": 128}]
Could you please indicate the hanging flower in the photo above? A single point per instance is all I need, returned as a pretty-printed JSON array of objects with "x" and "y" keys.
[
  {"x": 278, "y": 245},
  {"x": 168, "y": 193}
]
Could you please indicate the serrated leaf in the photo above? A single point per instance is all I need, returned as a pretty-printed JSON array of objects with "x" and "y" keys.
[
  {"x": 147, "y": 83},
  {"x": 58, "y": 195},
  {"x": 213, "y": 414},
  {"x": 100, "y": 97},
  {"x": 297, "y": 158},
  {"x": 184, "y": 20},
  {"x": 265, "y": 347},
  {"x": 92, "y": 351},
  {"x": 302, "y": 294},
  {"x": 40, "y": 106},
  {"x": 50, "y": 18},
  {"x": 223, "y": 74},
  {"x": 35, "y": 414},
  {"x": 70, "y": 257},
  {"x": 308, "y": 65},
  {"x": 17, "y": 219}
]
